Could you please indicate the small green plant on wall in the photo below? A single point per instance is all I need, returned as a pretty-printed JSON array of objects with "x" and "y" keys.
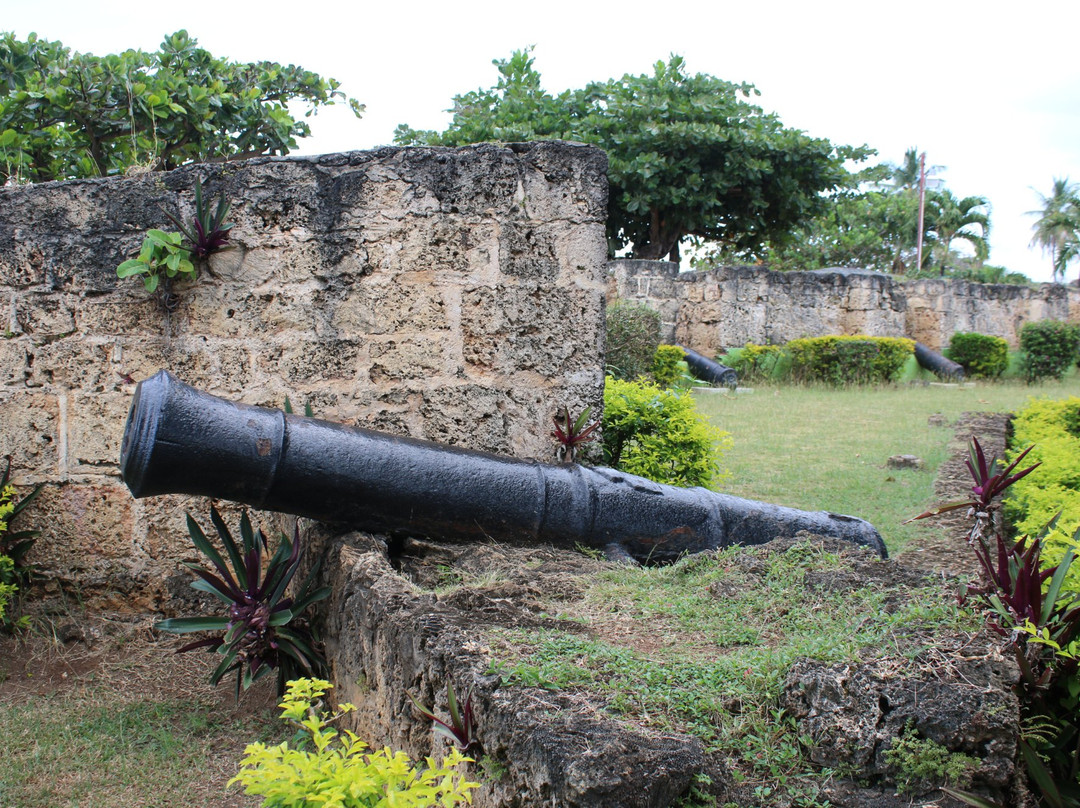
[
  {"x": 162, "y": 255},
  {"x": 168, "y": 255}
]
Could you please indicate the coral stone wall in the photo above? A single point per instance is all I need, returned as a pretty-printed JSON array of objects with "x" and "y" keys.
[
  {"x": 453, "y": 295},
  {"x": 730, "y": 306}
]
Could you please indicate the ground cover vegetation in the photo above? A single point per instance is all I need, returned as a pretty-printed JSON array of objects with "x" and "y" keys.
[
  {"x": 65, "y": 114},
  {"x": 703, "y": 647}
]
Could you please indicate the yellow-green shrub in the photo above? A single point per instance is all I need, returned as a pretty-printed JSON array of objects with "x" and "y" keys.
[
  {"x": 7, "y": 585},
  {"x": 848, "y": 360},
  {"x": 659, "y": 434},
  {"x": 1053, "y": 426},
  {"x": 340, "y": 773},
  {"x": 668, "y": 367}
]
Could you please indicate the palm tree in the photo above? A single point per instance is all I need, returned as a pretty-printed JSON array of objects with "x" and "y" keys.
[
  {"x": 1057, "y": 230},
  {"x": 951, "y": 218}
]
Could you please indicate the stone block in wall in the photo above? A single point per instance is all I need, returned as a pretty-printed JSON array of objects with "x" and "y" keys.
[
  {"x": 306, "y": 361},
  {"x": 44, "y": 316},
  {"x": 197, "y": 360},
  {"x": 14, "y": 361},
  {"x": 471, "y": 415},
  {"x": 413, "y": 357},
  {"x": 93, "y": 520},
  {"x": 528, "y": 251},
  {"x": 73, "y": 363},
  {"x": 95, "y": 429},
  {"x": 31, "y": 433},
  {"x": 380, "y": 306},
  {"x": 446, "y": 247},
  {"x": 554, "y": 186},
  {"x": 510, "y": 328}
]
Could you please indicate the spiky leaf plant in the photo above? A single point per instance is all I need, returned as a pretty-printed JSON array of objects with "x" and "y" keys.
[
  {"x": 262, "y": 629},
  {"x": 461, "y": 729},
  {"x": 207, "y": 233}
]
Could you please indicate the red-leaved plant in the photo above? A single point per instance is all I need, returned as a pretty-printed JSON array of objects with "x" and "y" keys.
[
  {"x": 461, "y": 729},
  {"x": 254, "y": 637},
  {"x": 208, "y": 233},
  {"x": 1038, "y": 620},
  {"x": 572, "y": 432}
]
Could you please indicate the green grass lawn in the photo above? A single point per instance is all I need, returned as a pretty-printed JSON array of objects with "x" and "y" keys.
[{"x": 825, "y": 449}]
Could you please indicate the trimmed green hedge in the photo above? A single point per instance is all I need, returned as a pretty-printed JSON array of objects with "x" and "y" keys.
[
  {"x": 1053, "y": 426},
  {"x": 1049, "y": 347},
  {"x": 848, "y": 360},
  {"x": 981, "y": 355},
  {"x": 659, "y": 434}
]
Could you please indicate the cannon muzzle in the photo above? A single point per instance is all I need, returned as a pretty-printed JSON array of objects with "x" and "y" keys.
[{"x": 179, "y": 440}]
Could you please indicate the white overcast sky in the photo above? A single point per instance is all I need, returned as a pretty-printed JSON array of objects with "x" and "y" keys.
[{"x": 990, "y": 90}]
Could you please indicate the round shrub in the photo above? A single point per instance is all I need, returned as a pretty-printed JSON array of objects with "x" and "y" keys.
[
  {"x": 633, "y": 334},
  {"x": 1049, "y": 348},
  {"x": 981, "y": 355},
  {"x": 659, "y": 434},
  {"x": 848, "y": 360},
  {"x": 669, "y": 365}
]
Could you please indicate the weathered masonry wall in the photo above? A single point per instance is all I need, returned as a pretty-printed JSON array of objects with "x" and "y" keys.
[
  {"x": 730, "y": 306},
  {"x": 453, "y": 295}
]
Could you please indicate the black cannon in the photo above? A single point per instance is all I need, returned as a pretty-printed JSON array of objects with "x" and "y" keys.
[
  {"x": 179, "y": 440},
  {"x": 943, "y": 367},
  {"x": 709, "y": 370}
]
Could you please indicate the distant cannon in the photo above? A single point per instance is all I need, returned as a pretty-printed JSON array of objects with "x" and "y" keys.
[
  {"x": 179, "y": 440},
  {"x": 938, "y": 364},
  {"x": 709, "y": 370}
]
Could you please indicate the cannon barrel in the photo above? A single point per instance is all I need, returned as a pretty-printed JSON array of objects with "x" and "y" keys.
[
  {"x": 709, "y": 370},
  {"x": 179, "y": 440},
  {"x": 933, "y": 361}
]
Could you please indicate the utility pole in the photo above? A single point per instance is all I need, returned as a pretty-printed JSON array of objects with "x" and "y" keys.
[{"x": 922, "y": 210}]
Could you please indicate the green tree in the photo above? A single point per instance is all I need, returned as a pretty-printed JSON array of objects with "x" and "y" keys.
[
  {"x": 688, "y": 155},
  {"x": 65, "y": 114},
  {"x": 950, "y": 218},
  {"x": 1057, "y": 229}
]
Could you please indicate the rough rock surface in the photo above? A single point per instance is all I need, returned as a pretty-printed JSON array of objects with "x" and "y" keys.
[
  {"x": 448, "y": 294},
  {"x": 387, "y": 639}
]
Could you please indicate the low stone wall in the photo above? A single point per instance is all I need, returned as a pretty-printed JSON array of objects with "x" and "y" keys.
[
  {"x": 453, "y": 295},
  {"x": 730, "y": 306}
]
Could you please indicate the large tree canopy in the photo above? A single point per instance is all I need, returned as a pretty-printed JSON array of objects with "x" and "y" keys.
[
  {"x": 689, "y": 156},
  {"x": 65, "y": 115}
]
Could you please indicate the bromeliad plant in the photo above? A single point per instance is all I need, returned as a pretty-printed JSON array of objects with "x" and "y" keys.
[
  {"x": 263, "y": 629},
  {"x": 208, "y": 233},
  {"x": 572, "y": 432},
  {"x": 461, "y": 729}
]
